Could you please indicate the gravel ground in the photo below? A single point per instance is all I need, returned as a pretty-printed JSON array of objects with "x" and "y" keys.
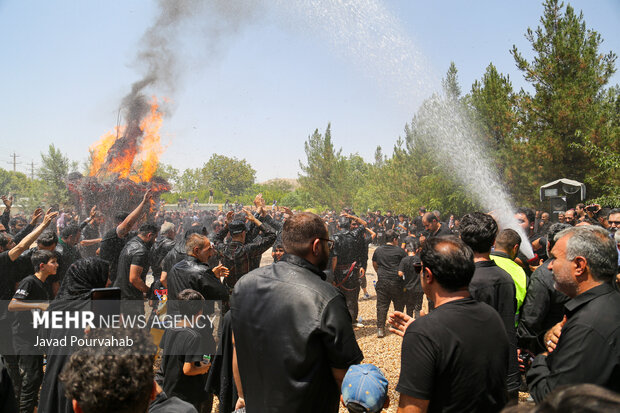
[{"x": 382, "y": 352}]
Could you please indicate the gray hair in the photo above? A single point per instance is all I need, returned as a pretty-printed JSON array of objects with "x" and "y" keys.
[{"x": 596, "y": 246}]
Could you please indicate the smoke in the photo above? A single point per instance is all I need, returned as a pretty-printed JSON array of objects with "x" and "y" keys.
[{"x": 205, "y": 27}]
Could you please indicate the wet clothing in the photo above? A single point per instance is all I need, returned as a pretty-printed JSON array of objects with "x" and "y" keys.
[
  {"x": 29, "y": 289},
  {"x": 588, "y": 350},
  {"x": 240, "y": 257},
  {"x": 494, "y": 286},
  {"x": 191, "y": 273},
  {"x": 349, "y": 248},
  {"x": 90, "y": 232},
  {"x": 456, "y": 357},
  {"x": 300, "y": 327},
  {"x": 135, "y": 252},
  {"x": 442, "y": 231},
  {"x": 175, "y": 255},
  {"x": 413, "y": 294},
  {"x": 110, "y": 250},
  {"x": 162, "y": 246},
  {"x": 542, "y": 308},
  {"x": 67, "y": 255}
]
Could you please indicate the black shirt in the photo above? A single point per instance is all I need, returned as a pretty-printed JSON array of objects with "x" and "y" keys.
[
  {"x": 182, "y": 345},
  {"x": 24, "y": 335},
  {"x": 135, "y": 252},
  {"x": 456, "y": 357},
  {"x": 291, "y": 328},
  {"x": 90, "y": 232},
  {"x": 494, "y": 286},
  {"x": 412, "y": 277},
  {"x": 442, "y": 231},
  {"x": 111, "y": 247},
  {"x": 165, "y": 404},
  {"x": 588, "y": 350},
  {"x": 388, "y": 258},
  {"x": 7, "y": 288},
  {"x": 542, "y": 308}
]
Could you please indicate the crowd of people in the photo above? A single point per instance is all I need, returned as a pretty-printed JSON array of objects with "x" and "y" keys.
[{"x": 498, "y": 321}]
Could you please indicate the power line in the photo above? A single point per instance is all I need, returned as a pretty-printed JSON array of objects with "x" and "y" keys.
[{"x": 14, "y": 156}]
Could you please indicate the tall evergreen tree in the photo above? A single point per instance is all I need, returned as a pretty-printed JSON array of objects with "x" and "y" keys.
[{"x": 568, "y": 74}]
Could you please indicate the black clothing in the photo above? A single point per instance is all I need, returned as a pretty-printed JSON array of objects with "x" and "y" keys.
[
  {"x": 443, "y": 230},
  {"x": 24, "y": 335},
  {"x": 73, "y": 295},
  {"x": 456, "y": 357},
  {"x": 588, "y": 350},
  {"x": 389, "y": 287},
  {"x": 175, "y": 255},
  {"x": 182, "y": 345},
  {"x": 350, "y": 247},
  {"x": 388, "y": 223},
  {"x": 494, "y": 286},
  {"x": 7, "y": 286},
  {"x": 413, "y": 295},
  {"x": 67, "y": 255},
  {"x": 90, "y": 232},
  {"x": 165, "y": 404},
  {"x": 110, "y": 250},
  {"x": 7, "y": 394},
  {"x": 135, "y": 252},
  {"x": 31, "y": 372},
  {"x": 240, "y": 257},
  {"x": 291, "y": 328},
  {"x": 162, "y": 246},
  {"x": 388, "y": 258},
  {"x": 542, "y": 308},
  {"x": 221, "y": 381},
  {"x": 191, "y": 273}
]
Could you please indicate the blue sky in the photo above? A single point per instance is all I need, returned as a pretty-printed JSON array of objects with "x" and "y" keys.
[{"x": 259, "y": 91}]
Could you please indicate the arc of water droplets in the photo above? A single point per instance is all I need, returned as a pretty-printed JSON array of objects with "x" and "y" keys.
[{"x": 368, "y": 35}]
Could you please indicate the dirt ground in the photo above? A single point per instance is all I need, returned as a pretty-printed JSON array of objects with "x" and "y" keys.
[{"x": 382, "y": 352}]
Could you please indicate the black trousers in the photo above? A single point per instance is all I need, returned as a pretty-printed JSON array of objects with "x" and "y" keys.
[
  {"x": 31, "y": 372},
  {"x": 388, "y": 291},
  {"x": 413, "y": 302}
]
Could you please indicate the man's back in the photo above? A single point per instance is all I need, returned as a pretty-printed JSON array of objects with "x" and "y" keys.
[
  {"x": 456, "y": 357},
  {"x": 291, "y": 328}
]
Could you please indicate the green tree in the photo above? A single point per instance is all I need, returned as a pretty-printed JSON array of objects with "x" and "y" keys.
[
  {"x": 568, "y": 74},
  {"x": 169, "y": 173},
  {"x": 450, "y": 83},
  {"x": 229, "y": 175},
  {"x": 53, "y": 171},
  {"x": 323, "y": 178}
]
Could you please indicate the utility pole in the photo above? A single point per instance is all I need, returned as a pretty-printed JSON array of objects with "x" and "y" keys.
[
  {"x": 14, "y": 156},
  {"x": 32, "y": 170}
]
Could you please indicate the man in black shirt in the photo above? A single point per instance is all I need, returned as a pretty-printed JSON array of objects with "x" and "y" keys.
[
  {"x": 492, "y": 285},
  {"x": 292, "y": 331},
  {"x": 114, "y": 240},
  {"x": 433, "y": 227},
  {"x": 347, "y": 250},
  {"x": 455, "y": 358},
  {"x": 163, "y": 245},
  {"x": 584, "y": 263},
  {"x": 9, "y": 253},
  {"x": 385, "y": 261},
  {"x": 67, "y": 252},
  {"x": 32, "y": 295},
  {"x": 543, "y": 306},
  {"x": 409, "y": 269},
  {"x": 133, "y": 265},
  {"x": 238, "y": 255}
]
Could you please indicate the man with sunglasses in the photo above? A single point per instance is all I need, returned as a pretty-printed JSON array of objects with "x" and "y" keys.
[{"x": 291, "y": 330}]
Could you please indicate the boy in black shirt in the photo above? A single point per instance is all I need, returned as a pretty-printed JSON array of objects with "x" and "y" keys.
[
  {"x": 184, "y": 371},
  {"x": 32, "y": 294}
]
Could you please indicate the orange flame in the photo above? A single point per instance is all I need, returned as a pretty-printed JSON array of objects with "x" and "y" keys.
[{"x": 138, "y": 160}]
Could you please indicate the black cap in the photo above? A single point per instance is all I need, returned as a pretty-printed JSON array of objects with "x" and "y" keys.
[{"x": 236, "y": 227}]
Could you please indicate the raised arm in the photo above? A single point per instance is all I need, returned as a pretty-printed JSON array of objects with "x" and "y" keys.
[
  {"x": 124, "y": 227},
  {"x": 23, "y": 245}
]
